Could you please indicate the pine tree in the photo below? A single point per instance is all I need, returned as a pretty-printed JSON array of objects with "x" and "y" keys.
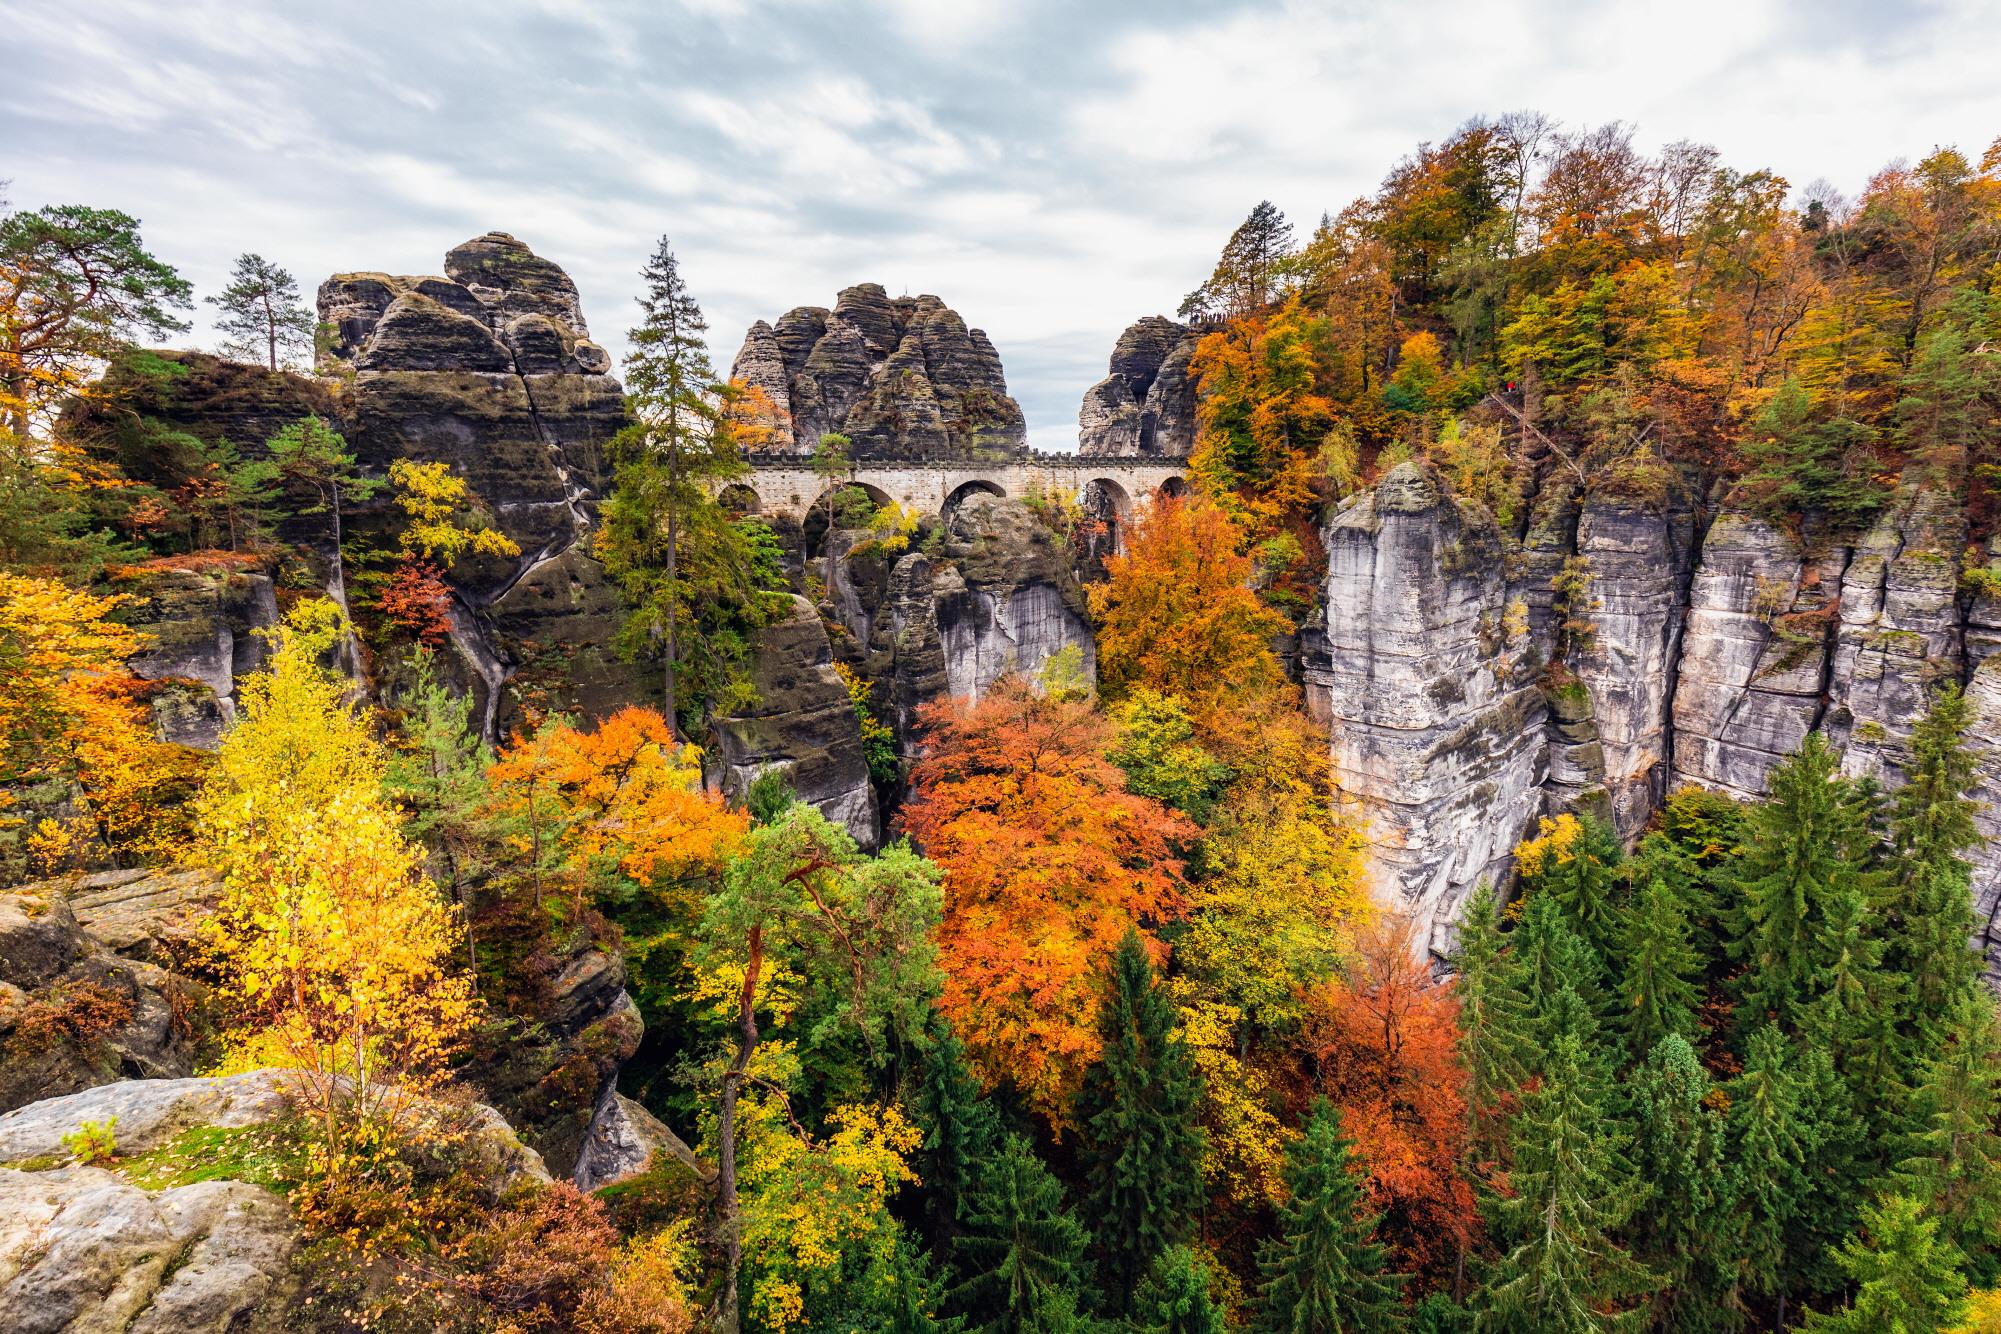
[
  {"x": 960, "y": 1133},
  {"x": 1687, "y": 1230},
  {"x": 1573, "y": 1192},
  {"x": 694, "y": 573},
  {"x": 1931, "y": 824},
  {"x": 1021, "y": 1256},
  {"x": 1841, "y": 1160},
  {"x": 1658, "y": 991},
  {"x": 1251, "y": 270},
  {"x": 314, "y": 461},
  {"x": 438, "y": 777},
  {"x": 1951, "y": 1156},
  {"x": 1142, "y": 1146},
  {"x": 1809, "y": 845},
  {"x": 1767, "y": 1146},
  {"x": 1802, "y": 461},
  {"x": 261, "y": 314},
  {"x": 1907, "y": 1277},
  {"x": 1174, "y": 1297},
  {"x": 1558, "y": 978},
  {"x": 1324, "y": 1270}
]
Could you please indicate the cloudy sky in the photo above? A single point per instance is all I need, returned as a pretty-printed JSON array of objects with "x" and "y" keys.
[{"x": 1052, "y": 170}]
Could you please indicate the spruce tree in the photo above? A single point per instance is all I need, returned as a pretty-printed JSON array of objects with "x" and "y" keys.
[
  {"x": 1586, "y": 885},
  {"x": 1931, "y": 911},
  {"x": 1810, "y": 844},
  {"x": 1658, "y": 967},
  {"x": 694, "y": 574},
  {"x": 1021, "y": 1257},
  {"x": 1142, "y": 1147},
  {"x": 1490, "y": 1023},
  {"x": 1950, "y": 1158},
  {"x": 1841, "y": 1161},
  {"x": 1573, "y": 1191},
  {"x": 1907, "y": 1277},
  {"x": 1324, "y": 1270},
  {"x": 1770, "y": 1148},
  {"x": 960, "y": 1133},
  {"x": 1558, "y": 978},
  {"x": 1174, "y": 1297},
  {"x": 438, "y": 777},
  {"x": 1688, "y": 1229}
]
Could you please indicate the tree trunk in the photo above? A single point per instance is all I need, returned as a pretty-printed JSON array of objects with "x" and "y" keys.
[
  {"x": 726, "y": 1197},
  {"x": 672, "y": 648}
]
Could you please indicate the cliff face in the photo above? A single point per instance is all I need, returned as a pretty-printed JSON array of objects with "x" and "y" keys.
[
  {"x": 896, "y": 375},
  {"x": 1614, "y": 651},
  {"x": 1146, "y": 404},
  {"x": 491, "y": 369}
]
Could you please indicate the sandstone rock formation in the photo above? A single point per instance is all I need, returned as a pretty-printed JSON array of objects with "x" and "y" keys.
[
  {"x": 492, "y": 370},
  {"x": 1146, "y": 404},
  {"x": 804, "y": 724},
  {"x": 899, "y": 376},
  {"x": 77, "y": 1009},
  {"x": 203, "y": 627},
  {"x": 622, "y": 1141}
]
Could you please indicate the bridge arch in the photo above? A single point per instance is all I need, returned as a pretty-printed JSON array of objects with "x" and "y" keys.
[
  {"x": 740, "y": 498},
  {"x": 977, "y": 486},
  {"x": 1176, "y": 486}
]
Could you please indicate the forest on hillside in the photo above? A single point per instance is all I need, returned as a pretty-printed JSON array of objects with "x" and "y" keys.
[{"x": 1110, "y": 1032}]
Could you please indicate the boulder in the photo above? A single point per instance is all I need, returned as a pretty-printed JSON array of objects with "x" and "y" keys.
[
  {"x": 622, "y": 1140},
  {"x": 83, "y": 1249}
]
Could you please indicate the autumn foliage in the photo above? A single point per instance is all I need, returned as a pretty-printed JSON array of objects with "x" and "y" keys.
[{"x": 1048, "y": 861}]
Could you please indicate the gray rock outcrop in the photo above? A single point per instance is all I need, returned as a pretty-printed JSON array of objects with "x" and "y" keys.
[
  {"x": 203, "y": 631},
  {"x": 1146, "y": 405},
  {"x": 803, "y": 723},
  {"x": 491, "y": 369},
  {"x": 899, "y": 376},
  {"x": 622, "y": 1141}
]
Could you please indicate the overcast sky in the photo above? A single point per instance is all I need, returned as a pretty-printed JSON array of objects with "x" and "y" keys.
[{"x": 1052, "y": 170}]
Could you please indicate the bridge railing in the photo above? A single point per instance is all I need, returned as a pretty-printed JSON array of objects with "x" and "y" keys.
[{"x": 920, "y": 458}]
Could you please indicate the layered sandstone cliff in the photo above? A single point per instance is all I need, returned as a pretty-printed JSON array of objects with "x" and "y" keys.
[
  {"x": 1145, "y": 405},
  {"x": 899, "y": 376}
]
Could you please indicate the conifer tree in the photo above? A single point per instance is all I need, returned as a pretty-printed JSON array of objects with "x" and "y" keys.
[
  {"x": 1573, "y": 1190},
  {"x": 1809, "y": 846},
  {"x": 262, "y": 317},
  {"x": 1586, "y": 884},
  {"x": 1768, "y": 1148},
  {"x": 1841, "y": 1161},
  {"x": 1907, "y": 1277},
  {"x": 691, "y": 570},
  {"x": 1951, "y": 1156},
  {"x": 1687, "y": 1230},
  {"x": 1931, "y": 913},
  {"x": 313, "y": 459},
  {"x": 960, "y": 1133},
  {"x": 438, "y": 777},
  {"x": 1021, "y": 1256},
  {"x": 1324, "y": 1270},
  {"x": 1142, "y": 1145},
  {"x": 1174, "y": 1297},
  {"x": 1557, "y": 977},
  {"x": 1490, "y": 1020},
  {"x": 1658, "y": 967}
]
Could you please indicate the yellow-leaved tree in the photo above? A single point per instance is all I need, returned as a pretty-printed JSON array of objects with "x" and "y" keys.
[{"x": 335, "y": 949}]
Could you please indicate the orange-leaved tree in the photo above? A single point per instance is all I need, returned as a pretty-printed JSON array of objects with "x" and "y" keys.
[
  {"x": 606, "y": 813},
  {"x": 1385, "y": 1038},
  {"x": 1177, "y": 613},
  {"x": 1049, "y": 860},
  {"x": 70, "y": 714}
]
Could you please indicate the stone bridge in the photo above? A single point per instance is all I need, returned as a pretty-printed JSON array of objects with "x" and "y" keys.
[{"x": 785, "y": 485}]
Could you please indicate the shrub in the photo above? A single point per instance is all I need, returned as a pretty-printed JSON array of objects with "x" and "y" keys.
[{"x": 93, "y": 1141}]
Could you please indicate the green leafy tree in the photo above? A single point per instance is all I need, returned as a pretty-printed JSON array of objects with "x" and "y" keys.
[
  {"x": 1951, "y": 1156},
  {"x": 1687, "y": 1229},
  {"x": 1572, "y": 1192},
  {"x": 76, "y": 285},
  {"x": 1323, "y": 1269},
  {"x": 1658, "y": 966},
  {"x": 700, "y": 580},
  {"x": 1586, "y": 886},
  {"x": 261, "y": 315},
  {"x": 226, "y": 495},
  {"x": 1174, "y": 1297},
  {"x": 1142, "y": 1145},
  {"x": 314, "y": 462},
  {"x": 1946, "y": 418},
  {"x": 1021, "y": 1256},
  {"x": 1906, "y": 1277}
]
